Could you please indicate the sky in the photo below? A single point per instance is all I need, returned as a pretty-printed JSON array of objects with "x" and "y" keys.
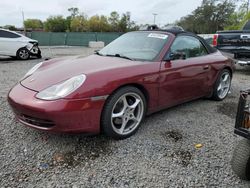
[{"x": 142, "y": 11}]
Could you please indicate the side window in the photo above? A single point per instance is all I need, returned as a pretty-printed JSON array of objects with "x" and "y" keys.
[
  {"x": 188, "y": 47},
  {"x": 6, "y": 34}
]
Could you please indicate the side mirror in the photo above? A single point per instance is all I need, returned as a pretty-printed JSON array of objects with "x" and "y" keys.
[{"x": 175, "y": 56}]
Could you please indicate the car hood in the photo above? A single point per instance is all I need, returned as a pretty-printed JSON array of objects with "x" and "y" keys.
[{"x": 57, "y": 70}]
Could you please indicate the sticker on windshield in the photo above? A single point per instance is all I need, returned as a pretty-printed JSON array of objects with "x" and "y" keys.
[{"x": 158, "y": 36}]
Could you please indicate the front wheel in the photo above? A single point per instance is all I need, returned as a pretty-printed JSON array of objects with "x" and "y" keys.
[
  {"x": 123, "y": 113},
  {"x": 23, "y": 54},
  {"x": 222, "y": 85},
  {"x": 241, "y": 159}
]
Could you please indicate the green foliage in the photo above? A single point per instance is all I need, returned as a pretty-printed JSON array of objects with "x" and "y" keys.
[
  {"x": 56, "y": 24},
  {"x": 10, "y": 27},
  {"x": 235, "y": 21},
  {"x": 98, "y": 24},
  {"x": 114, "y": 20},
  {"x": 79, "y": 24},
  {"x": 74, "y": 11},
  {"x": 211, "y": 16},
  {"x": 124, "y": 24},
  {"x": 238, "y": 18},
  {"x": 33, "y": 24}
]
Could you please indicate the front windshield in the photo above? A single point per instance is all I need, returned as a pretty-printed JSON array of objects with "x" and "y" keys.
[{"x": 136, "y": 45}]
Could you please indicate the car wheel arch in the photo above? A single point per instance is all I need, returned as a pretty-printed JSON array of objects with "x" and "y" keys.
[
  {"x": 213, "y": 94},
  {"x": 129, "y": 86},
  {"x": 220, "y": 71},
  {"x": 229, "y": 69},
  {"x": 22, "y": 48},
  {"x": 136, "y": 85}
]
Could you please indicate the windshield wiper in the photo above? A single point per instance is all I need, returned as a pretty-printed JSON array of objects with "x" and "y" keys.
[{"x": 120, "y": 56}]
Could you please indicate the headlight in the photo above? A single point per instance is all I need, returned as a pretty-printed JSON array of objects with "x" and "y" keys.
[
  {"x": 63, "y": 89},
  {"x": 32, "y": 70}
]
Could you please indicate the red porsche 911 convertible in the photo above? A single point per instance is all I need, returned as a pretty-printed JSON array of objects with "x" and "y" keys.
[{"x": 112, "y": 90}]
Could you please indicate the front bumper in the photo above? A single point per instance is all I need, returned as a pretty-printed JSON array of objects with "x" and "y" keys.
[
  {"x": 243, "y": 63},
  {"x": 35, "y": 51},
  {"x": 63, "y": 115},
  {"x": 235, "y": 49}
]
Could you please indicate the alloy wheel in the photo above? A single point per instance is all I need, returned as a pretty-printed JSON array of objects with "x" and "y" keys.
[
  {"x": 224, "y": 85},
  {"x": 24, "y": 54},
  {"x": 127, "y": 113}
]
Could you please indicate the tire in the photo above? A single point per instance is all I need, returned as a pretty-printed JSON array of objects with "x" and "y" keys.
[
  {"x": 123, "y": 112},
  {"x": 23, "y": 54},
  {"x": 241, "y": 159},
  {"x": 222, "y": 85},
  {"x": 39, "y": 56}
]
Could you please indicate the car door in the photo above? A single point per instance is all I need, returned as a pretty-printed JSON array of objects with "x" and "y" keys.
[
  {"x": 2, "y": 49},
  {"x": 184, "y": 77},
  {"x": 9, "y": 43}
]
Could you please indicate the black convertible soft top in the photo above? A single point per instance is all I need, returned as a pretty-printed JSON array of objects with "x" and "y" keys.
[
  {"x": 178, "y": 32},
  {"x": 209, "y": 48},
  {"x": 175, "y": 32}
]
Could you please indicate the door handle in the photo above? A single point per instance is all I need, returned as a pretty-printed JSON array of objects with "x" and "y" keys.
[{"x": 206, "y": 67}]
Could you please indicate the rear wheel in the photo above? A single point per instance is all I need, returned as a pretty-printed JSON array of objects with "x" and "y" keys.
[
  {"x": 222, "y": 85},
  {"x": 23, "y": 54},
  {"x": 241, "y": 159},
  {"x": 123, "y": 113}
]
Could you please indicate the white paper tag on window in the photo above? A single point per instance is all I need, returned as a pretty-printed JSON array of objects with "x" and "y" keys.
[{"x": 158, "y": 36}]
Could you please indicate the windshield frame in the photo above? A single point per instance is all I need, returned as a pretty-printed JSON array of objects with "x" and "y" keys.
[{"x": 156, "y": 58}]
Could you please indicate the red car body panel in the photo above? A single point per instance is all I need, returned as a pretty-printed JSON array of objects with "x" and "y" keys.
[
  {"x": 185, "y": 80},
  {"x": 164, "y": 83},
  {"x": 63, "y": 115}
]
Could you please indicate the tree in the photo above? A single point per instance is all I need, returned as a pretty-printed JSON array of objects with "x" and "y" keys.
[
  {"x": 124, "y": 22},
  {"x": 105, "y": 26},
  {"x": 79, "y": 24},
  {"x": 98, "y": 24},
  {"x": 238, "y": 18},
  {"x": 114, "y": 20},
  {"x": 33, "y": 24},
  {"x": 74, "y": 12},
  {"x": 211, "y": 16},
  {"x": 55, "y": 24},
  {"x": 10, "y": 27}
]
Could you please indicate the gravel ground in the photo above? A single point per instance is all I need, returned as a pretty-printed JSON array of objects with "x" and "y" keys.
[{"x": 161, "y": 154}]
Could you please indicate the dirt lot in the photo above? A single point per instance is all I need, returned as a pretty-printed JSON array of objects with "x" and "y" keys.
[{"x": 161, "y": 154}]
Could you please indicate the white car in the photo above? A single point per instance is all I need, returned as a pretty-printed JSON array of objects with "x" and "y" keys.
[{"x": 16, "y": 45}]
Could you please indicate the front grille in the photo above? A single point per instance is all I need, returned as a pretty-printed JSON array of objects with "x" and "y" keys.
[{"x": 36, "y": 121}]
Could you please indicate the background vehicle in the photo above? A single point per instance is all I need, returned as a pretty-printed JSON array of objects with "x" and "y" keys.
[
  {"x": 241, "y": 156},
  {"x": 16, "y": 45},
  {"x": 111, "y": 91},
  {"x": 235, "y": 42}
]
